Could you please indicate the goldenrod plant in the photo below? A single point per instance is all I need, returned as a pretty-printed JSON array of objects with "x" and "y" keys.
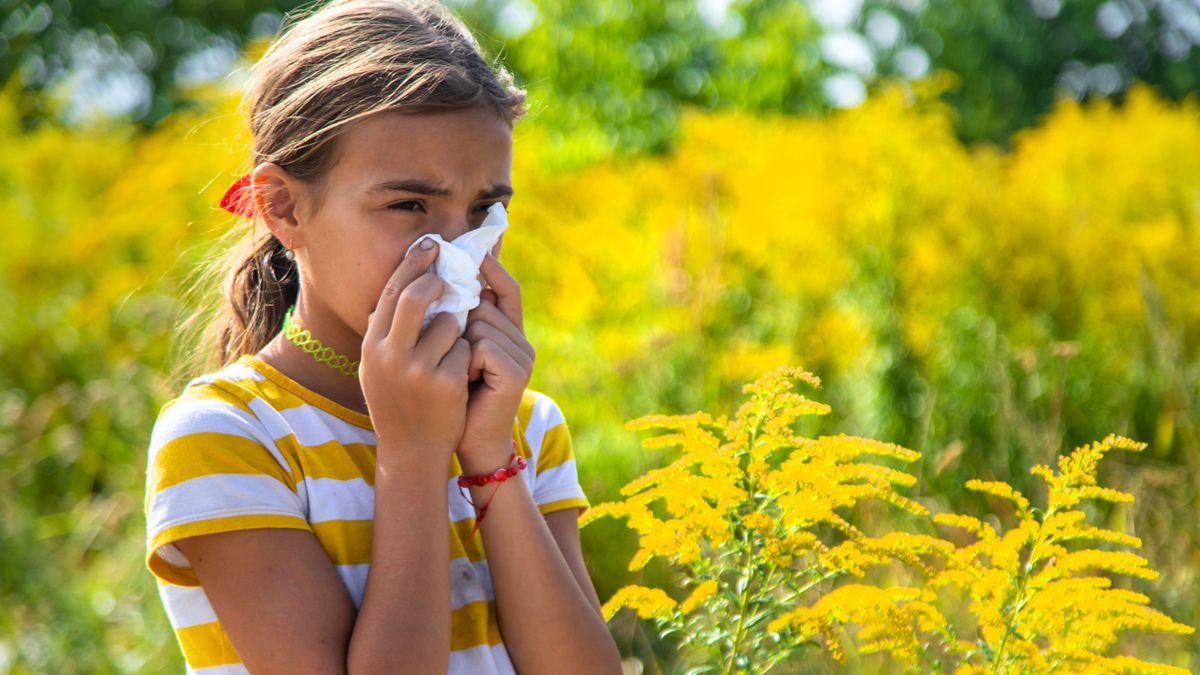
[
  {"x": 1035, "y": 611},
  {"x": 745, "y": 512},
  {"x": 748, "y": 512}
]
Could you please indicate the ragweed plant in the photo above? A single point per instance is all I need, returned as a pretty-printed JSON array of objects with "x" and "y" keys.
[{"x": 745, "y": 516}]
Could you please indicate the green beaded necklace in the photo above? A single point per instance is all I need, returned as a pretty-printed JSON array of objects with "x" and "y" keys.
[{"x": 311, "y": 345}]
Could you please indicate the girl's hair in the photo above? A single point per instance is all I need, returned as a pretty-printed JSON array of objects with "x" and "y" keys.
[{"x": 329, "y": 67}]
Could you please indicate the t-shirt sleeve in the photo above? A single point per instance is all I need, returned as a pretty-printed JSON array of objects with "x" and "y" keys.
[
  {"x": 211, "y": 467},
  {"x": 556, "y": 485}
]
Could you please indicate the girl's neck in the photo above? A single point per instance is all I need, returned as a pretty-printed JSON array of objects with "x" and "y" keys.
[{"x": 300, "y": 366}]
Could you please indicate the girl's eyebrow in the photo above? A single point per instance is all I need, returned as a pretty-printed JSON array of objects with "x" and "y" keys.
[{"x": 421, "y": 187}]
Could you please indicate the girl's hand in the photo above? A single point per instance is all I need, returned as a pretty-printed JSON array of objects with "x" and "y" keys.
[
  {"x": 502, "y": 361},
  {"x": 415, "y": 384}
]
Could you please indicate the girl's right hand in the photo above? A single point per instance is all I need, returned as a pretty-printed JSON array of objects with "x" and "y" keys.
[{"x": 415, "y": 384}]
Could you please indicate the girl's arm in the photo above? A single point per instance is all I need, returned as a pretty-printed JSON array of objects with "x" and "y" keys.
[
  {"x": 564, "y": 525},
  {"x": 405, "y": 614},
  {"x": 550, "y": 624}
]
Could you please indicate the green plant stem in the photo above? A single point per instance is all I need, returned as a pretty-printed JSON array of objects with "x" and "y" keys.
[
  {"x": 747, "y": 571},
  {"x": 800, "y": 591},
  {"x": 1012, "y": 621},
  {"x": 950, "y": 635}
]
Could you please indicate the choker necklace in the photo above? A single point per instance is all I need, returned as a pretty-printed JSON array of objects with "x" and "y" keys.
[{"x": 305, "y": 340}]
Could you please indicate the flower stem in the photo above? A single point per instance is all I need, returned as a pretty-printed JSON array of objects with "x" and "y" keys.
[
  {"x": 1017, "y": 605},
  {"x": 747, "y": 572}
]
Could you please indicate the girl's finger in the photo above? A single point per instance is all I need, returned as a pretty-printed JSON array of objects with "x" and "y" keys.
[
  {"x": 497, "y": 366},
  {"x": 489, "y": 295},
  {"x": 488, "y": 313},
  {"x": 438, "y": 339},
  {"x": 506, "y": 288},
  {"x": 481, "y": 330},
  {"x": 410, "y": 268}
]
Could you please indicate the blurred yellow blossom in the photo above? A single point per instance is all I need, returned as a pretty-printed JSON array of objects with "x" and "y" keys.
[{"x": 647, "y": 602}]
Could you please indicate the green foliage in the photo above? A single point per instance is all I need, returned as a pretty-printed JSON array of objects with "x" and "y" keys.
[
  {"x": 103, "y": 229},
  {"x": 1015, "y": 59},
  {"x": 610, "y": 77},
  {"x": 145, "y": 41}
]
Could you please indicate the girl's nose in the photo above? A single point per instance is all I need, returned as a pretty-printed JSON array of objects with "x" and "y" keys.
[{"x": 453, "y": 230}]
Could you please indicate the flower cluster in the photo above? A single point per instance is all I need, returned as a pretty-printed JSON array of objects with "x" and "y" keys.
[
  {"x": 1036, "y": 609},
  {"x": 744, "y": 509},
  {"x": 752, "y": 517}
]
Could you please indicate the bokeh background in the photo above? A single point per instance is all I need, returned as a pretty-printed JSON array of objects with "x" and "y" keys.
[{"x": 978, "y": 221}]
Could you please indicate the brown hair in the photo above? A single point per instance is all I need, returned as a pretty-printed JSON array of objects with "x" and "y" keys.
[{"x": 330, "y": 67}]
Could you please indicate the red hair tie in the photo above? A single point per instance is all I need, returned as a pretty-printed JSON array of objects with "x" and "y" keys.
[{"x": 237, "y": 198}]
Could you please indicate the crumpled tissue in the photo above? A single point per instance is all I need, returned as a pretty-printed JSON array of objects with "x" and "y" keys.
[{"x": 458, "y": 263}]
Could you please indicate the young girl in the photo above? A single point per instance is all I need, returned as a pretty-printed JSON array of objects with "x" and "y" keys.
[{"x": 295, "y": 495}]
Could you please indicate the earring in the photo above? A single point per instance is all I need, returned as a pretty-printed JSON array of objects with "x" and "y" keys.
[{"x": 289, "y": 255}]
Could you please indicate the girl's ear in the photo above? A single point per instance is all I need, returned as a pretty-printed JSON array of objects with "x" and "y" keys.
[{"x": 274, "y": 195}]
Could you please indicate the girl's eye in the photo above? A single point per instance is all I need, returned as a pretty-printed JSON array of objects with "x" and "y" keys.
[{"x": 403, "y": 206}]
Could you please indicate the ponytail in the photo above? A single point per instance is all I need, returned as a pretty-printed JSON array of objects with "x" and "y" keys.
[
  {"x": 262, "y": 285},
  {"x": 259, "y": 284}
]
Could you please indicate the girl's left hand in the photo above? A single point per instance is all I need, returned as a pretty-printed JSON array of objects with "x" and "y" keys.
[{"x": 502, "y": 360}]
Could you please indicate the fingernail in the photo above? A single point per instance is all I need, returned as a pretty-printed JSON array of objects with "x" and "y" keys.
[{"x": 426, "y": 244}]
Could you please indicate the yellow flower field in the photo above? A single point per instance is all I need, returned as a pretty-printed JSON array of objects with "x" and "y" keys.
[{"x": 974, "y": 312}]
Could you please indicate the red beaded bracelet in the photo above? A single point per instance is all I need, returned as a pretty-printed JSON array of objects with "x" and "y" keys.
[
  {"x": 515, "y": 463},
  {"x": 498, "y": 476}
]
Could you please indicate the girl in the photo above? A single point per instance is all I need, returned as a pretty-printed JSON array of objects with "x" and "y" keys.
[{"x": 295, "y": 495}]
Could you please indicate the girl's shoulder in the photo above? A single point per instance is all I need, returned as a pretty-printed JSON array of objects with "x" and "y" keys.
[
  {"x": 213, "y": 465},
  {"x": 544, "y": 429},
  {"x": 551, "y": 452},
  {"x": 221, "y": 401},
  {"x": 538, "y": 410}
]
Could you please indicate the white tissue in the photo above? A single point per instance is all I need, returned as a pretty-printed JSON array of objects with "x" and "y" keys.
[{"x": 458, "y": 263}]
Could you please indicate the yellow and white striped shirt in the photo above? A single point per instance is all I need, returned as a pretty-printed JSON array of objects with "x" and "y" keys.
[{"x": 247, "y": 447}]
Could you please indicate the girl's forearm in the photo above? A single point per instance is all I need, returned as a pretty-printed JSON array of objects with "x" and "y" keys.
[
  {"x": 404, "y": 618},
  {"x": 548, "y": 624}
]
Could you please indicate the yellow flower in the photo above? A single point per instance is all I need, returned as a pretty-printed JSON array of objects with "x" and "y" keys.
[
  {"x": 760, "y": 522},
  {"x": 647, "y": 602},
  {"x": 701, "y": 593},
  {"x": 782, "y": 488}
]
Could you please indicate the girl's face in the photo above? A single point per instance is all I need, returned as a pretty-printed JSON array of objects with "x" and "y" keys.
[{"x": 397, "y": 176}]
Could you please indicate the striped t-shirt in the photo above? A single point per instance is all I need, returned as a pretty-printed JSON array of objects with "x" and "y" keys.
[{"x": 247, "y": 447}]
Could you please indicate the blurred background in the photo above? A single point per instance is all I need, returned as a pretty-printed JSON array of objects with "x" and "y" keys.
[{"x": 978, "y": 221}]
